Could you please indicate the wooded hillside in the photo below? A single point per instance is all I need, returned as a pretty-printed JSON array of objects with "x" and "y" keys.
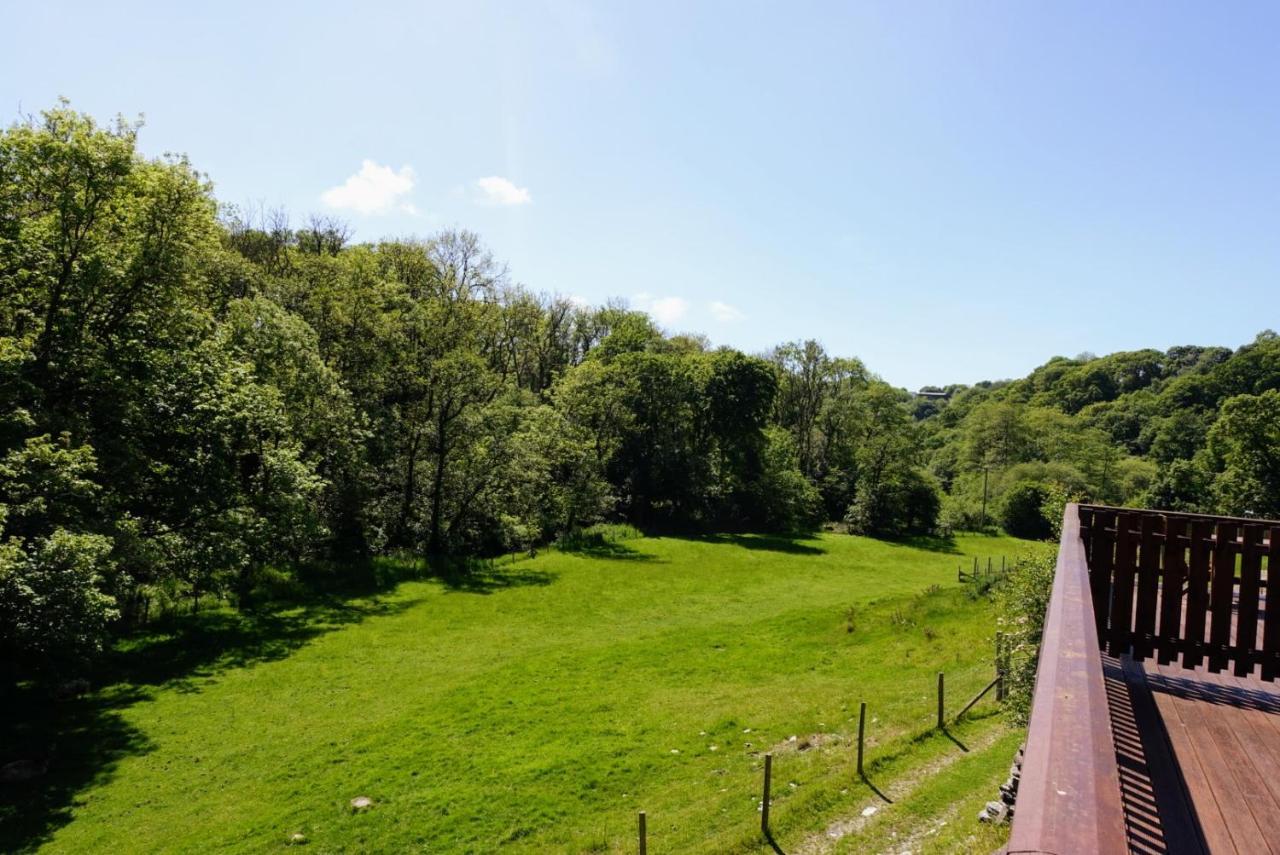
[{"x": 203, "y": 402}]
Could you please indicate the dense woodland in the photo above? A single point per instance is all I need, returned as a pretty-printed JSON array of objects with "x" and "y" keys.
[{"x": 196, "y": 401}]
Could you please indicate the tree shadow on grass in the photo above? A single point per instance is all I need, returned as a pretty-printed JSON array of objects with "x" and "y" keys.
[
  {"x": 479, "y": 578},
  {"x": 604, "y": 548},
  {"x": 469, "y": 575},
  {"x": 80, "y": 742},
  {"x": 792, "y": 544},
  {"x": 930, "y": 542},
  {"x": 208, "y": 643}
]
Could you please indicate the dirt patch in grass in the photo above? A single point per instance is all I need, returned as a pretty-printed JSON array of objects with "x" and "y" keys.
[
  {"x": 868, "y": 810},
  {"x": 798, "y": 744}
]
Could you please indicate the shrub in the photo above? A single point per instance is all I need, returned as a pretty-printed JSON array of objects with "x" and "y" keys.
[
  {"x": 908, "y": 504},
  {"x": 1022, "y": 511},
  {"x": 782, "y": 498},
  {"x": 54, "y": 614},
  {"x": 1022, "y": 599},
  {"x": 961, "y": 513}
]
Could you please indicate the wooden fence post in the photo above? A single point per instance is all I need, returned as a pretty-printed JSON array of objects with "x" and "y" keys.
[
  {"x": 644, "y": 846},
  {"x": 764, "y": 803},
  {"x": 999, "y": 666},
  {"x": 862, "y": 731},
  {"x": 941, "y": 720}
]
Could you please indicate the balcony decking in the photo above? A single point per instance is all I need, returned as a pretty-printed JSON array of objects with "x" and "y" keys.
[
  {"x": 1156, "y": 719},
  {"x": 1199, "y": 758}
]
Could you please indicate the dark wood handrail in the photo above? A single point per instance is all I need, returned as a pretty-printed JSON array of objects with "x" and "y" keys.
[
  {"x": 1069, "y": 796},
  {"x": 1183, "y": 515}
]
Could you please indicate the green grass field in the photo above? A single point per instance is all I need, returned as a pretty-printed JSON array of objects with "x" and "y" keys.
[{"x": 539, "y": 706}]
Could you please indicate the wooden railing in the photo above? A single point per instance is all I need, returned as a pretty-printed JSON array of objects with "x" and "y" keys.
[
  {"x": 1184, "y": 588},
  {"x": 1069, "y": 796},
  {"x": 1173, "y": 585}
]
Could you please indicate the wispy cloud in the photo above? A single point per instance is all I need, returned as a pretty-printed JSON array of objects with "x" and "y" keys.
[
  {"x": 724, "y": 312},
  {"x": 375, "y": 189},
  {"x": 496, "y": 190},
  {"x": 665, "y": 310}
]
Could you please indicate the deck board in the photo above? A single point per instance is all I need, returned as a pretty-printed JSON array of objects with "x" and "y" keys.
[{"x": 1210, "y": 759}]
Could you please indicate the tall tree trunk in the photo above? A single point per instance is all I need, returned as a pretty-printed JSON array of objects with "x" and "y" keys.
[
  {"x": 435, "y": 545},
  {"x": 410, "y": 490}
]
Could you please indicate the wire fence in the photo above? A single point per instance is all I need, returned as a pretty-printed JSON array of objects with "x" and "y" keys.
[{"x": 940, "y": 721}]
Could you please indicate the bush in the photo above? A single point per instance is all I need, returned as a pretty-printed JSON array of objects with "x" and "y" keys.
[
  {"x": 782, "y": 497},
  {"x": 1022, "y": 514},
  {"x": 54, "y": 615},
  {"x": 906, "y": 505},
  {"x": 961, "y": 513},
  {"x": 1022, "y": 600}
]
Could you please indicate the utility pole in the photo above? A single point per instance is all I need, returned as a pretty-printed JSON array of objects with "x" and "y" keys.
[{"x": 985, "y": 469}]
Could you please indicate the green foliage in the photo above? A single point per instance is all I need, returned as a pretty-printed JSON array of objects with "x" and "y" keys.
[
  {"x": 1022, "y": 511},
  {"x": 907, "y": 503},
  {"x": 1022, "y": 599},
  {"x": 1244, "y": 443},
  {"x": 783, "y": 499},
  {"x": 1181, "y": 485},
  {"x": 54, "y": 614},
  {"x": 224, "y": 402}
]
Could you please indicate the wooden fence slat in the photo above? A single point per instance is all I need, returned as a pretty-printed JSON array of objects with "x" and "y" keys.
[
  {"x": 1168, "y": 584},
  {"x": 1247, "y": 612},
  {"x": 1222, "y": 588},
  {"x": 1121, "y": 617},
  {"x": 1173, "y": 576},
  {"x": 1271, "y": 618},
  {"x": 1101, "y": 559},
  {"x": 1197, "y": 593},
  {"x": 1087, "y": 516},
  {"x": 1144, "y": 624}
]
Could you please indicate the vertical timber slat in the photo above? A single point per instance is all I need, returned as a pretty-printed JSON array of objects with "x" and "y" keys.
[
  {"x": 1250, "y": 586},
  {"x": 1271, "y": 621},
  {"x": 1197, "y": 594},
  {"x": 1101, "y": 555},
  {"x": 1120, "y": 635},
  {"x": 1222, "y": 590},
  {"x": 1148, "y": 586},
  {"x": 1172, "y": 578}
]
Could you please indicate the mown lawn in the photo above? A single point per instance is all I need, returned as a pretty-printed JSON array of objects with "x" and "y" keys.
[{"x": 539, "y": 706}]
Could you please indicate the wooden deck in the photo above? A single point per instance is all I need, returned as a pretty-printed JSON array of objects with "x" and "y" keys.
[
  {"x": 1183, "y": 686},
  {"x": 1199, "y": 758}
]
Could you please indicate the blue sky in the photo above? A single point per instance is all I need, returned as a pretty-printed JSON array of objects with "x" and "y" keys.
[{"x": 950, "y": 191}]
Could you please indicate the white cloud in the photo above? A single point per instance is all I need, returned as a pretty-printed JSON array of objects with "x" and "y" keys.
[
  {"x": 374, "y": 189},
  {"x": 665, "y": 310},
  {"x": 496, "y": 190},
  {"x": 725, "y": 313}
]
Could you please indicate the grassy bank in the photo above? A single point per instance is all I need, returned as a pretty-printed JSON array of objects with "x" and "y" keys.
[{"x": 540, "y": 705}]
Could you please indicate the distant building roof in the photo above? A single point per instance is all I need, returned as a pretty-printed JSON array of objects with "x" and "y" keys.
[{"x": 933, "y": 393}]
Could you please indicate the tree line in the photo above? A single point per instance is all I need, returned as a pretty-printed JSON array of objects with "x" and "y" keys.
[{"x": 197, "y": 400}]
